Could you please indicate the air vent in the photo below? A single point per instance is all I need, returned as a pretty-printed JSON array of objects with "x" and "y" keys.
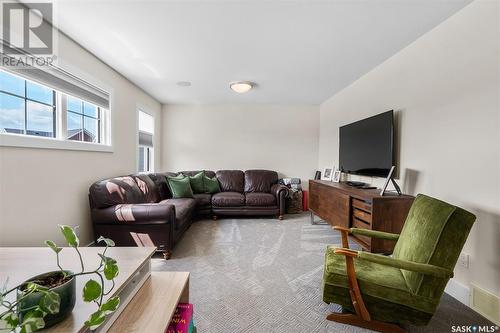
[{"x": 486, "y": 303}]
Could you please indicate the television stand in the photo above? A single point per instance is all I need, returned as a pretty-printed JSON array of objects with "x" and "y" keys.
[{"x": 342, "y": 205}]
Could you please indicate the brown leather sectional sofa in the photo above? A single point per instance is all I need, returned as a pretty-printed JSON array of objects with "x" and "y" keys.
[{"x": 138, "y": 210}]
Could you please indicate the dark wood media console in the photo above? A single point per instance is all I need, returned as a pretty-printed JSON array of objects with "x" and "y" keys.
[{"x": 342, "y": 205}]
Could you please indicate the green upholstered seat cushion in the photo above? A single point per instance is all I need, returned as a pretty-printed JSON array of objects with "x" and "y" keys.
[
  {"x": 180, "y": 187},
  {"x": 376, "y": 280},
  {"x": 211, "y": 184},
  {"x": 196, "y": 182}
]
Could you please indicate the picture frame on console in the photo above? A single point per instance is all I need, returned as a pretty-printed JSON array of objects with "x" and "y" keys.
[
  {"x": 336, "y": 176},
  {"x": 328, "y": 174}
]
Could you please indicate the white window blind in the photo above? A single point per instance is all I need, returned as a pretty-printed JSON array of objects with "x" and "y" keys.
[
  {"x": 145, "y": 139},
  {"x": 146, "y": 129},
  {"x": 65, "y": 82}
]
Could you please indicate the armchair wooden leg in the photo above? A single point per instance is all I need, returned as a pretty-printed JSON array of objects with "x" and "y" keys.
[
  {"x": 214, "y": 217},
  {"x": 362, "y": 317},
  {"x": 280, "y": 217},
  {"x": 351, "y": 319},
  {"x": 167, "y": 254}
]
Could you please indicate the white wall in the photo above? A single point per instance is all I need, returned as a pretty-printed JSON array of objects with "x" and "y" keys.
[
  {"x": 40, "y": 188},
  {"x": 214, "y": 137},
  {"x": 445, "y": 87}
]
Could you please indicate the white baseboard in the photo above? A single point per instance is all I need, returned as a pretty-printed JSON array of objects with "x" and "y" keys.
[{"x": 458, "y": 291}]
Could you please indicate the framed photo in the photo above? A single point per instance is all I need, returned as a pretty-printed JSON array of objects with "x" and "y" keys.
[
  {"x": 336, "y": 176},
  {"x": 327, "y": 174}
]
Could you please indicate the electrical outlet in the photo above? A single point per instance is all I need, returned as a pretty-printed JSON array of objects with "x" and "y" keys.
[{"x": 463, "y": 260}]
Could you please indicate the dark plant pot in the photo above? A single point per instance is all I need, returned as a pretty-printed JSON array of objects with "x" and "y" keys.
[{"x": 66, "y": 291}]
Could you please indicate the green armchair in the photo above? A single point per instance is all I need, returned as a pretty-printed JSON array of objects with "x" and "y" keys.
[{"x": 379, "y": 292}]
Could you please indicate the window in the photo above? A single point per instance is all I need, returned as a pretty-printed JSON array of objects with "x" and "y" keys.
[
  {"x": 83, "y": 120},
  {"x": 146, "y": 150},
  {"x": 145, "y": 159},
  {"x": 28, "y": 108}
]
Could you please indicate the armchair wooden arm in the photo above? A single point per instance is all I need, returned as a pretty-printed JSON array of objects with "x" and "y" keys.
[
  {"x": 344, "y": 232},
  {"x": 354, "y": 292},
  {"x": 346, "y": 252},
  {"x": 341, "y": 229},
  {"x": 362, "y": 317}
]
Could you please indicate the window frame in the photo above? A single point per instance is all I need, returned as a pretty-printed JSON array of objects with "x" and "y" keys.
[
  {"x": 149, "y": 152},
  {"x": 59, "y": 139},
  {"x": 100, "y": 112},
  {"x": 148, "y": 158},
  {"x": 26, "y": 99}
]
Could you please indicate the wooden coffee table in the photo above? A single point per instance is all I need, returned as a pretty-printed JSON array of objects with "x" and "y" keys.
[
  {"x": 148, "y": 299},
  {"x": 152, "y": 307}
]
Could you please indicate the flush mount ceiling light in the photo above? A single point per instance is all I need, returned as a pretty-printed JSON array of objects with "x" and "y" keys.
[{"x": 241, "y": 87}]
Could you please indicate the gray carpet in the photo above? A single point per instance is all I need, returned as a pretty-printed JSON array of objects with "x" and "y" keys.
[{"x": 262, "y": 275}]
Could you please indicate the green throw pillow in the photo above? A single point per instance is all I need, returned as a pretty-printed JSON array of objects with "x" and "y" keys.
[
  {"x": 211, "y": 184},
  {"x": 197, "y": 182},
  {"x": 180, "y": 187}
]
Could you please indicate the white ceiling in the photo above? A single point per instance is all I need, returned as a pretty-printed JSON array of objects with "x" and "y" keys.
[{"x": 298, "y": 52}]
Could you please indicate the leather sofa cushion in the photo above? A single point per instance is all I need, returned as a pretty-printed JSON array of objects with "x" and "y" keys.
[
  {"x": 231, "y": 180},
  {"x": 115, "y": 191},
  {"x": 260, "y": 180},
  {"x": 147, "y": 187},
  {"x": 208, "y": 173},
  {"x": 160, "y": 180},
  {"x": 228, "y": 199},
  {"x": 183, "y": 207},
  {"x": 203, "y": 199},
  {"x": 260, "y": 199}
]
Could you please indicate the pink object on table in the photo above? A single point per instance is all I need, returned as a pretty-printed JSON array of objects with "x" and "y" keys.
[{"x": 181, "y": 319}]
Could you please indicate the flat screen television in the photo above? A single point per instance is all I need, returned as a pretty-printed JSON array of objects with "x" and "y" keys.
[{"x": 367, "y": 146}]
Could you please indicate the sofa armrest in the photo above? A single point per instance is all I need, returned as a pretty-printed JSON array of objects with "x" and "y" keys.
[
  {"x": 278, "y": 189},
  {"x": 426, "y": 269},
  {"x": 374, "y": 234},
  {"x": 140, "y": 214},
  {"x": 281, "y": 192}
]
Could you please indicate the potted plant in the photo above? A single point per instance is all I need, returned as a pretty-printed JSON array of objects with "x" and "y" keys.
[{"x": 49, "y": 298}]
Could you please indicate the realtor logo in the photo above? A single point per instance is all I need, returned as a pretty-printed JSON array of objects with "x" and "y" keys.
[{"x": 27, "y": 28}]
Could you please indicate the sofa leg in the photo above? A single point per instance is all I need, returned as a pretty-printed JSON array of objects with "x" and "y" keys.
[
  {"x": 351, "y": 319},
  {"x": 167, "y": 254},
  {"x": 214, "y": 217},
  {"x": 280, "y": 217}
]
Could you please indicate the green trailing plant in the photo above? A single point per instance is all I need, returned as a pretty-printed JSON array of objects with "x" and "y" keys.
[{"x": 32, "y": 319}]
